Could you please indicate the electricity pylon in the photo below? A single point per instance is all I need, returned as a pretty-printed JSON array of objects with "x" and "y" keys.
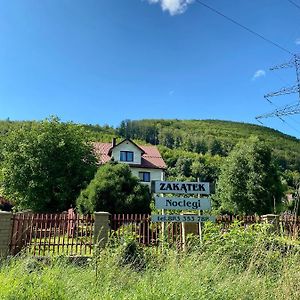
[{"x": 290, "y": 109}]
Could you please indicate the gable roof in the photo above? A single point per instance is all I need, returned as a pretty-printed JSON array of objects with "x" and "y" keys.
[
  {"x": 126, "y": 140},
  {"x": 151, "y": 157}
]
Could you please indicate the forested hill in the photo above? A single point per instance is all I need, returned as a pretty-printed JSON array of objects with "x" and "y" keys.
[
  {"x": 212, "y": 136},
  {"x": 198, "y": 136}
]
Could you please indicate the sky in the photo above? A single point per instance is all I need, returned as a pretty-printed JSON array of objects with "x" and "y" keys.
[{"x": 103, "y": 61}]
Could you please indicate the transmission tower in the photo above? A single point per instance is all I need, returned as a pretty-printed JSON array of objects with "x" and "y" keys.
[{"x": 290, "y": 109}]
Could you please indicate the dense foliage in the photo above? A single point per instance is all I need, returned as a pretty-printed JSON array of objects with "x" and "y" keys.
[
  {"x": 212, "y": 136},
  {"x": 91, "y": 132},
  {"x": 193, "y": 149},
  {"x": 45, "y": 165},
  {"x": 186, "y": 165},
  {"x": 115, "y": 190},
  {"x": 249, "y": 182}
]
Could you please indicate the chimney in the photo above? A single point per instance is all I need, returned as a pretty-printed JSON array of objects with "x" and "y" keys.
[{"x": 113, "y": 142}]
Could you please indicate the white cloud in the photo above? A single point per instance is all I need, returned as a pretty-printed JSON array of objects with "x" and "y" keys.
[
  {"x": 174, "y": 7},
  {"x": 259, "y": 73},
  {"x": 297, "y": 41}
]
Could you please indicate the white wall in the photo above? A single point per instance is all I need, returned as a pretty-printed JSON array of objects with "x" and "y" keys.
[
  {"x": 155, "y": 174},
  {"x": 127, "y": 146}
]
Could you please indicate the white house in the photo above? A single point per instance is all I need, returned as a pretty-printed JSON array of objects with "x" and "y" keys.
[{"x": 145, "y": 162}]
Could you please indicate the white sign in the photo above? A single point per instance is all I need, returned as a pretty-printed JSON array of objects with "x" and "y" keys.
[
  {"x": 182, "y": 218},
  {"x": 175, "y": 187},
  {"x": 175, "y": 203}
]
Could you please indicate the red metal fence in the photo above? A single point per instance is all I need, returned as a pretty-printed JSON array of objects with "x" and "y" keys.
[
  {"x": 150, "y": 234},
  {"x": 286, "y": 224},
  {"x": 72, "y": 234},
  {"x": 146, "y": 233},
  {"x": 52, "y": 234}
]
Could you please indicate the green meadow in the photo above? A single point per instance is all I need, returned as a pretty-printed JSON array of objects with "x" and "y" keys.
[{"x": 251, "y": 263}]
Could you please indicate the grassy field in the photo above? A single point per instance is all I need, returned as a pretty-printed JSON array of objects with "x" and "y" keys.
[{"x": 240, "y": 264}]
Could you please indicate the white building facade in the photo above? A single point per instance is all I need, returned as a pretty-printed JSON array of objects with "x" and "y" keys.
[{"x": 145, "y": 162}]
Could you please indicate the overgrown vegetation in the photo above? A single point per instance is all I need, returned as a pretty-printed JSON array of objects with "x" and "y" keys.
[{"x": 238, "y": 264}]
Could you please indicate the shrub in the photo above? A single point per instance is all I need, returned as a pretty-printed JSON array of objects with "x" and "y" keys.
[
  {"x": 115, "y": 190},
  {"x": 5, "y": 204}
]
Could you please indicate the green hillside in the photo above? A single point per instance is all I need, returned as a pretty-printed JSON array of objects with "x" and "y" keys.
[
  {"x": 212, "y": 136},
  {"x": 204, "y": 137}
]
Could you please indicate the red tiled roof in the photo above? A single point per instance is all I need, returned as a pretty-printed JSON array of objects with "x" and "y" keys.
[
  {"x": 101, "y": 151},
  {"x": 150, "y": 159}
]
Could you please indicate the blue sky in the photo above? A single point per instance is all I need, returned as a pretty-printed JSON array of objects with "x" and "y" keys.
[{"x": 102, "y": 61}]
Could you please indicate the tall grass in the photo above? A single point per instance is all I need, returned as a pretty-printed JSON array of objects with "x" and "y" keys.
[{"x": 239, "y": 264}]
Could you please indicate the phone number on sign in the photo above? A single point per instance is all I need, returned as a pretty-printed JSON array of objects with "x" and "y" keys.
[{"x": 181, "y": 218}]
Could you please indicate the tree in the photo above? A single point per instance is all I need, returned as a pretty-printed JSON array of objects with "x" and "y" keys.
[
  {"x": 207, "y": 168},
  {"x": 115, "y": 190},
  {"x": 183, "y": 166},
  {"x": 249, "y": 182},
  {"x": 215, "y": 147},
  {"x": 166, "y": 138},
  {"x": 45, "y": 167},
  {"x": 291, "y": 183}
]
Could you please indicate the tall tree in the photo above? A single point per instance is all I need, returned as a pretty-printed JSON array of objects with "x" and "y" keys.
[
  {"x": 45, "y": 167},
  {"x": 249, "y": 182}
]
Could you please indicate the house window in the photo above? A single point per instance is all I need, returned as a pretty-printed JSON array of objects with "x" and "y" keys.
[
  {"x": 144, "y": 176},
  {"x": 126, "y": 156}
]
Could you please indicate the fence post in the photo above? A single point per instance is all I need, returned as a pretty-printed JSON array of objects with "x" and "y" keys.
[
  {"x": 101, "y": 228},
  {"x": 271, "y": 219},
  {"x": 5, "y": 232},
  {"x": 189, "y": 228}
]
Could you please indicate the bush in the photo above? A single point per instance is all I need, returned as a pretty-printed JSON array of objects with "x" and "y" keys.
[
  {"x": 115, "y": 190},
  {"x": 5, "y": 205},
  {"x": 129, "y": 250}
]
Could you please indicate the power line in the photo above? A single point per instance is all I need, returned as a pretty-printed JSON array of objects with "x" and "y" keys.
[
  {"x": 283, "y": 120},
  {"x": 295, "y": 4},
  {"x": 289, "y": 125},
  {"x": 295, "y": 62},
  {"x": 288, "y": 109},
  {"x": 244, "y": 27}
]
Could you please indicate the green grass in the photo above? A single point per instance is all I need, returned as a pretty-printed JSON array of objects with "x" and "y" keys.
[
  {"x": 240, "y": 264},
  {"x": 189, "y": 277}
]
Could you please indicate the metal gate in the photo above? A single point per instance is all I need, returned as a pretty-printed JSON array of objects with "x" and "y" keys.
[{"x": 52, "y": 234}]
